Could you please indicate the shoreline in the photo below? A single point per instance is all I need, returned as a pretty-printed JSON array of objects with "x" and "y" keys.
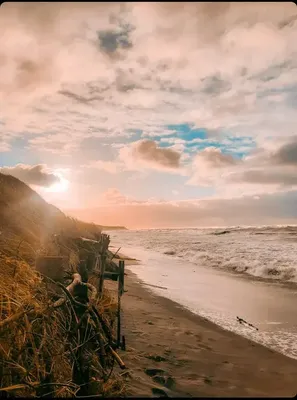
[
  {"x": 200, "y": 357},
  {"x": 173, "y": 351},
  {"x": 222, "y": 296},
  {"x": 289, "y": 284}
]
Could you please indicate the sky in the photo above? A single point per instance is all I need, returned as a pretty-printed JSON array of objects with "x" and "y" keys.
[{"x": 153, "y": 115}]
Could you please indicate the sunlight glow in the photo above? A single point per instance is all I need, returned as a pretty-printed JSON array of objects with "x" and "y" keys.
[{"x": 59, "y": 187}]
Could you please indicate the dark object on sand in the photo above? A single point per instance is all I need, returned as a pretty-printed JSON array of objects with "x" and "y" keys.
[
  {"x": 156, "y": 286},
  {"x": 221, "y": 233},
  {"x": 157, "y": 392},
  {"x": 242, "y": 321}
]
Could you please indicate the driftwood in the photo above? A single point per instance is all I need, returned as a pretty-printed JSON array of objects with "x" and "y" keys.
[
  {"x": 108, "y": 346},
  {"x": 97, "y": 259},
  {"x": 242, "y": 321},
  {"x": 80, "y": 373},
  {"x": 155, "y": 286},
  {"x": 76, "y": 281},
  {"x": 117, "y": 358},
  {"x": 82, "y": 270},
  {"x": 113, "y": 255},
  {"x": 93, "y": 290}
]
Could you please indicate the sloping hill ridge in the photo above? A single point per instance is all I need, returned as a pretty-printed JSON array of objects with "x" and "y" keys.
[
  {"x": 45, "y": 350},
  {"x": 26, "y": 214}
]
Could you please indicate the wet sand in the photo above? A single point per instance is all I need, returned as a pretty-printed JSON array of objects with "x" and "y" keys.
[
  {"x": 171, "y": 351},
  {"x": 221, "y": 296}
]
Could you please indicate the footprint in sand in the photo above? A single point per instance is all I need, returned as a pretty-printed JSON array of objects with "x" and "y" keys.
[
  {"x": 156, "y": 358},
  {"x": 159, "y": 392},
  {"x": 160, "y": 376},
  {"x": 154, "y": 371}
]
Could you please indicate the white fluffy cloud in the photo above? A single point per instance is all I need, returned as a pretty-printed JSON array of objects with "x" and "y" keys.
[
  {"x": 127, "y": 74},
  {"x": 112, "y": 67}
]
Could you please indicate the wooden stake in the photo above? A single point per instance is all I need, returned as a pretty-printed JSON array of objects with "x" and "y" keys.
[
  {"x": 102, "y": 270},
  {"x": 121, "y": 276},
  {"x": 119, "y": 318},
  {"x": 123, "y": 343}
]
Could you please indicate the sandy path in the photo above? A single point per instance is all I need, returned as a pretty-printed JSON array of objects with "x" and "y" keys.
[{"x": 172, "y": 350}]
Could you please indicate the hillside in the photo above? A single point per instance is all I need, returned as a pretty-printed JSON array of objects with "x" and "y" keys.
[
  {"x": 44, "y": 347},
  {"x": 26, "y": 214}
]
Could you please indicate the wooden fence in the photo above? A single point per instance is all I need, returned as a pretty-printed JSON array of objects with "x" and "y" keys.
[{"x": 94, "y": 259}]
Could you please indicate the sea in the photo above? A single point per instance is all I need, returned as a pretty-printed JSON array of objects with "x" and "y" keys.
[{"x": 241, "y": 278}]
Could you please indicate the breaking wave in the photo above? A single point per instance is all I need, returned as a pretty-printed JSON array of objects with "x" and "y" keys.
[{"x": 265, "y": 252}]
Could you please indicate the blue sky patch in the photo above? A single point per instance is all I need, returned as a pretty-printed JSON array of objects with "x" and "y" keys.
[
  {"x": 187, "y": 131},
  {"x": 19, "y": 154}
]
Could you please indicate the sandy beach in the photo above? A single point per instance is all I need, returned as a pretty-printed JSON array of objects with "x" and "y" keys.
[{"x": 173, "y": 352}]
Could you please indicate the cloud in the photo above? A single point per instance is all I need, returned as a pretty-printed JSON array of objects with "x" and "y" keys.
[
  {"x": 147, "y": 150},
  {"x": 129, "y": 59},
  {"x": 146, "y": 153},
  {"x": 31, "y": 174},
  {"x": 286, "y": 154},
  {"x": 268, "y": 169},
  {"x": 109, "y": 166},
  {"x": 210, "y": 165},
  {"x": 213, "y": 157},
  {"x": 110, "y": 41},
  {"x": 270, "y": 176},
  {"x": 273, "y": 166},
  {"x": 113, "y": 196},
  {"x": 122, "y": 72}
]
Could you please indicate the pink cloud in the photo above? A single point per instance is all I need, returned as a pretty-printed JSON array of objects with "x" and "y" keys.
[
  {"x": 109, "y": 166},
  {"x": 32, "y": 174},
  {"x": 213, "y": 157},
  {"x": 147, "y": 154}
]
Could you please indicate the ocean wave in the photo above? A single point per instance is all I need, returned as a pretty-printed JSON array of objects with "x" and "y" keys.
[{"x": 264, "y": 252}]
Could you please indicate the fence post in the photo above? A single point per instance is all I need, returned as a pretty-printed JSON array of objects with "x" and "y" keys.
[
  {"x": 120, "y": 293},
  {"x": 119, "y": 317},
  {"x": 121, "y": 276},
  {"x": 102, "y": 270}
]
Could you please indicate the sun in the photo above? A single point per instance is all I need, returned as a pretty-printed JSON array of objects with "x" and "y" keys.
[{"x": 59, "y": 187}]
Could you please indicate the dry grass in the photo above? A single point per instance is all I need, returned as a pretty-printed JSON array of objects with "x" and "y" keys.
[
  {"x": 38, "y": 342},
  {"x": 36, "y": 350},
  {"x": 28, "y": 353}
]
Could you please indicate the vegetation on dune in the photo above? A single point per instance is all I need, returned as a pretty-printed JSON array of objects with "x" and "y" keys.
[
  {"x": 39, "y": 341},
  {"x": 26, "y": 214}
]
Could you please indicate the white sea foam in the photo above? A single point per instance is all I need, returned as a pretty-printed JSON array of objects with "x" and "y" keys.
[
  {"x": 196, "y": 266},
  {"x": 267, "y": 252}
]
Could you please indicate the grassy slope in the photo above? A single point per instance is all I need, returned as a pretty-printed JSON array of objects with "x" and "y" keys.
[
  {"x": 27, "y": 225},
  {"x": 26, "y": 214}
]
